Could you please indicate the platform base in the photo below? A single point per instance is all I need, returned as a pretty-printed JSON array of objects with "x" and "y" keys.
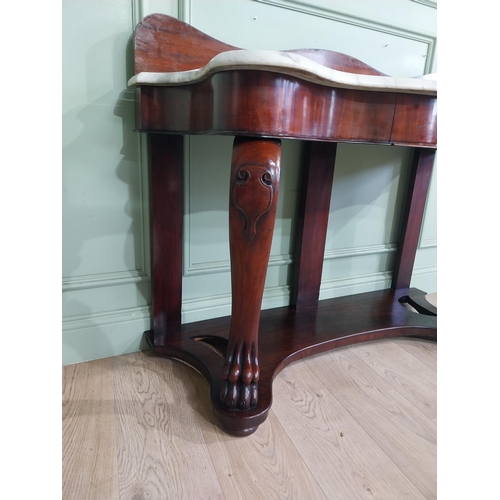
[{"x": 287, "y": 335}]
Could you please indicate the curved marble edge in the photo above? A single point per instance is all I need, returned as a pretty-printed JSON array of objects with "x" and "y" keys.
[{"x": 292, "y": 65}]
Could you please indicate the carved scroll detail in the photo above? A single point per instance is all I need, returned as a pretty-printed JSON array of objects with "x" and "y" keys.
[{"x": 253, "y": 194}]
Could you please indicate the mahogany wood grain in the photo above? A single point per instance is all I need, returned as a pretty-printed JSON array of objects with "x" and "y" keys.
[
  {"x": 163, "y": 43},
  {"x": 415, "y": 120},
  {"x": 312, "y": 223},
  {"x": 287, "y": 107},
  {"x": 255, "y": 177},
  {"x": 413, "y": 215},
  {"x": 166, "y": 186}
]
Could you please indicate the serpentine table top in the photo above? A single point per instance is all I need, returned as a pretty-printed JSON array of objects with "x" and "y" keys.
[{"x": 290, "y": 64}]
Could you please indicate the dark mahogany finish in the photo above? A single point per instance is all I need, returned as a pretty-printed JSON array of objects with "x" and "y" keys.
[
  {"x": 415, "y": 120},
  {"x": 240, "y": 355},
  {"x": 413, "y": 216},
  {"x": 163, "y": 43},
  {"x": 167, "y": 180},
  {"x": 317, "y": 182},
  {"x": 288, "y": 107},
  {"x": 255, "y": 177}
]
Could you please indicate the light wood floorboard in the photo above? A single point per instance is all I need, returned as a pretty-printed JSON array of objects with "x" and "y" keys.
[
  {"x": 413, "y": 379},
  {"x": 88, "y": 432},
  {"x": 426, "y": 352},
  {"x": 263, "y": 465},
  {"x": 406, "y": 435},
  {"x": 346, "y": 461},
  {"x": 355, "y": 423},
  {"x": 160, "y": 447}
]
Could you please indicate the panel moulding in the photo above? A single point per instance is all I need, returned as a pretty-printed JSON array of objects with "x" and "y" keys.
[
  {"x": 336, "y": 15},
  {"x": 343, "y": 253},
  {"x": 425, "y": 278},
  {"x": 185, "y": 9},
  {"x": 361, "y": 22},
  {"x": 105, "y": 279},
  {"x": 273, "y": 297},
  {"x": 286, "y": 259},
  {"x": 107, "y": 318},
  {"x": 224, "y": 266},
  {"x": 143, "y": 273},
  {"x": 143, "y": 164},
  {"x": 430, "y": 243},
  {"x": 338, "y": 287},
  {"x": 137, "y": 12},
  {"x": 419, "y": 271},
  {"x": 428, "y": 3},
  {"x": 142, "y": 8},
  {"x": 186, "y": 238}
]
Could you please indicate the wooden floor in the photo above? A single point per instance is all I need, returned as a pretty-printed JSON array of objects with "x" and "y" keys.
[{"x": 355, "y": 423}]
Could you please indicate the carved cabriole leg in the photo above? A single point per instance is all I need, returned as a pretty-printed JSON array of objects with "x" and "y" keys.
[{"x": 255, "y": 175}]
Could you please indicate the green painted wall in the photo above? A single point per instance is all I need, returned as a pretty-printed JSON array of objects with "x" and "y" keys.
[{"x": 106, "y": 266}]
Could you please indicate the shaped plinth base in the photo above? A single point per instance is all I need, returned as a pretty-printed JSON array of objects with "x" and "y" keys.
[{"x": 287, "y": 335}]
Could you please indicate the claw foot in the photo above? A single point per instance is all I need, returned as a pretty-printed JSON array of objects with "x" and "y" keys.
[{"x": 240, "y": 377}]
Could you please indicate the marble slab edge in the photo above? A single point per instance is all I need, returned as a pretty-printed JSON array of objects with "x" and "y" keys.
[{"x": 291, "y": 65}]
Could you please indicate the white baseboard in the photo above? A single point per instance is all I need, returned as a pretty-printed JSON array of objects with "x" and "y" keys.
[
  {"x": 425, "y": 278},
  {"x": 96, "y": 336}
]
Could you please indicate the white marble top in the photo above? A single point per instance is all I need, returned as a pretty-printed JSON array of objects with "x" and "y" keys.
[{"x": 289, "y": 64}]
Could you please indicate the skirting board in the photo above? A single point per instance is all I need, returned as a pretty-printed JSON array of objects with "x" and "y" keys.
[
  {"x": 90, "y": 337},
  {"x": 99, "y": 336}
]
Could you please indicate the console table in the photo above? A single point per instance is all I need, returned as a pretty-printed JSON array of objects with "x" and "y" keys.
[{"x": 189, "y": 83}]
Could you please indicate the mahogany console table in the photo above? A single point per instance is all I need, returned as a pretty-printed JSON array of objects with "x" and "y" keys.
[{"x": 189, "y": 83}]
